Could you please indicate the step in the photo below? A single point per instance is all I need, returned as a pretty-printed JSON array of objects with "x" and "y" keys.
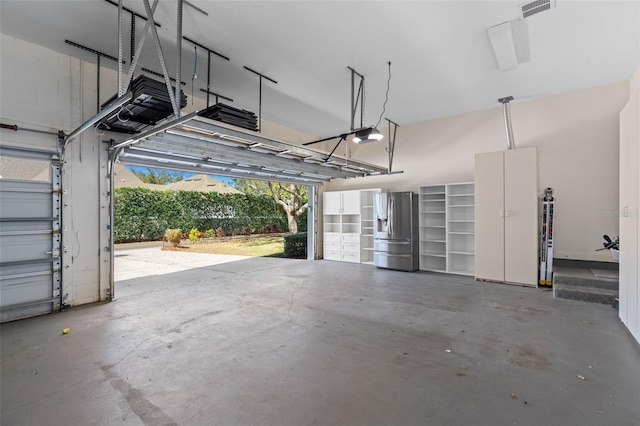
[
  {"x": 585, "y": 277},
  {"x": 585, "y": 294}
]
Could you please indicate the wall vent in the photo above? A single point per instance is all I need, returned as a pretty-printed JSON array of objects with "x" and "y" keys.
[{"x": 534, "y": 7}]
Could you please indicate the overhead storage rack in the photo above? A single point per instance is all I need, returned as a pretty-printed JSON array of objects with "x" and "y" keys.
[
  {"x": 197, "y": 144},
  {"x": 149, "y": 105}
]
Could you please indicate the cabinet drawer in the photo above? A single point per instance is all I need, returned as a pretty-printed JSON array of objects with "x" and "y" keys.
[
  {"x": 332, "y": 255},
  {"x": 332, "y": 236},
  {"x": 331, "y": 246},
  {"x": 351, "y": 257},
  {"x": 350, "y": 247},
  {"x": 350, "y": 238}
]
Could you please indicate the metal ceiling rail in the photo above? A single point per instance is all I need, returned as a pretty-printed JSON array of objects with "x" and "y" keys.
[
  {"x": 205, "y": 169},
  {"x": 200, "y": 145},
  {"x": 207, "y": 147}
]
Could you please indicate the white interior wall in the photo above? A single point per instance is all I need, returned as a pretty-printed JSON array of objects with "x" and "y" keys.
[{"x": 577, "y": 136}]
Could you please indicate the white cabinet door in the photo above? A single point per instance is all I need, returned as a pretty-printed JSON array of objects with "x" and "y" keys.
[
  {"x": 351, "y": 202},
  {"x": 521, "y": 216},
  {"x": 489, "y": 199},
  {"x": 629, "y": 299},
  {"x": 332, "y": 202}
]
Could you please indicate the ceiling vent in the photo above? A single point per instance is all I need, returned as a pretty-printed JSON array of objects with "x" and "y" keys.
[{"x": 534, "y": 7}]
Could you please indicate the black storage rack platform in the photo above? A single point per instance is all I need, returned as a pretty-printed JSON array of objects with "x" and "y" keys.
[{"x": 149, "y": 105}]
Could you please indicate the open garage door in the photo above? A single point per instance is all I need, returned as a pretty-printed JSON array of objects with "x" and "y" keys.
[{"x": 30, "y": 276}]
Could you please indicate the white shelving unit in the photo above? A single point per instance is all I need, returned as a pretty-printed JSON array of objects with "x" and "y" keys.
[
  {"x": 366, "y": 225},
  {"x": 433, "y": 236},
  {"x": 447, "y": 228},
  {"x": 348, "y": 225},
  {"x": 461, "y": 228}
]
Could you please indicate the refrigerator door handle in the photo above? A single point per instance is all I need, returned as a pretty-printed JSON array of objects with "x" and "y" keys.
[{"x": 390, "y": 213}]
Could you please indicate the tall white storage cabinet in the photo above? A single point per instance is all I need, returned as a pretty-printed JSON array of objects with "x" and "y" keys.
[
  {"x": 506, "y": 200},
  {"x": 630, "y": 210},
  {"x": 348, "y": 225},
  {"x": 447, "y": 228}
]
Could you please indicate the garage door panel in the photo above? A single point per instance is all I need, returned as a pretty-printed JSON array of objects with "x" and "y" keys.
[
  {"x": 26, "y": 311},
  {"x": 22, "y": 227},
  {"x": 26, "y": 288},
  {"x": 30, "y": 273},
  {"x": 23, "y": 247},
  {"x": 25, "y": 200}
]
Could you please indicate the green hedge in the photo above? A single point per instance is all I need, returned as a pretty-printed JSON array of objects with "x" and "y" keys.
[
  {"x": 295, "y": 245},
  {"x": 144, "y": 215}
]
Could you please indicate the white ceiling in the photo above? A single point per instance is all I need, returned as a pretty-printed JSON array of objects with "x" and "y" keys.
[{"x": 442, "y": 62}]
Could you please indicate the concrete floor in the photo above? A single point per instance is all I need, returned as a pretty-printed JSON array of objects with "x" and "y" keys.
[{"x": 239, "y": 341}]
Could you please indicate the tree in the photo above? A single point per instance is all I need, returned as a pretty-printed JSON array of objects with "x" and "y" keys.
[
  {"x": 292, "y": 198},
  {"x": 159, "y": 177}
]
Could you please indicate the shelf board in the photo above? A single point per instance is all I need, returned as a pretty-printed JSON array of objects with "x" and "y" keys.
[
  {"x": 462, "y": 195},
  {"x": 465, "y": 253},
  {"x": 366, "y": 248},
  {"x": 433, "y": 241},
  {"x": 433, "y": 211},
  {"x": 442, "y": 271},
  {"x": 462, "y": 221},
  {"x": 434, "y": 226},
  {"x": 433, "y": 193},
  {"x": 433, "y": 254},
  {"x": 462, "y": 233},
  {"x": 461, "y": 205}
]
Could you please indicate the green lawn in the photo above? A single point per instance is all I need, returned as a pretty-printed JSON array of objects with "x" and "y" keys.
[{"x": 255, "y": 246}]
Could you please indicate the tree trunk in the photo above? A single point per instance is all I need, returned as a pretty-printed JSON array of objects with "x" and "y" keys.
[{"x": 293, "y": 224}]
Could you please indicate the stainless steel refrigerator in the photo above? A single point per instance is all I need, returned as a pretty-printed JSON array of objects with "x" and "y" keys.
[{"x": 396, "y": 231}]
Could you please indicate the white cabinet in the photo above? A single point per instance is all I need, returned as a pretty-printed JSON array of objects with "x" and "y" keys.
[
  {"x": 447, "y": 227},
  {"x": 629, "y": 211},
  {"x": 341, "y": 202},
  {"x": 348, "y": 225},
  {"x": 506, "y": 214},
  {"x": 332, "y": 202}
]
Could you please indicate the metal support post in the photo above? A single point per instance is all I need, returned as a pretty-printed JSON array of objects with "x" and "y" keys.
[
  {"x": 156, "y": 39},
  {"x": 133, "y": 38},
  {"x": 209, "y": 77},
  {"x": 507, "y": 121},
  {"x": 136, "y": 56},
  {"x": 120, "y": 89},
  {"x": 177, "y": 111},
  {"x": 392, "y": 141},
  {"x": 97, "y": 84},
  {"x": 356, "y": 98},
  {"x": 260, "y": 95},
  {"x": 209, "y": 52}
]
